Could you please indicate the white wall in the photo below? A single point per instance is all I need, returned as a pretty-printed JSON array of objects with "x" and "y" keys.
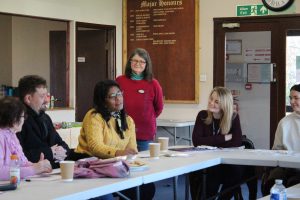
[
  {"x": 30, "y": 47},
  {"x": 106, "y": 12}
]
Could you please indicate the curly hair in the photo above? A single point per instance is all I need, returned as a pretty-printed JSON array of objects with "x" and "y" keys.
[{"x": 11, "y": 111}]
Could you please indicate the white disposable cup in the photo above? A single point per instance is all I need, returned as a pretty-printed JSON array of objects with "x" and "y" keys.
[
  {"x": 154, "y": 150},
  {"x": 67, "y": 170},
  {"x": 164, "y": 143}
]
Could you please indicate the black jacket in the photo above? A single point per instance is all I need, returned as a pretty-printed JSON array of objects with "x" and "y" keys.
[{"x": 39, "y": 135}]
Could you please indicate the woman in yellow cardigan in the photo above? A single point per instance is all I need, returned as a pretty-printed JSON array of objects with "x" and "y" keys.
[{"x": 107, "y": 131}]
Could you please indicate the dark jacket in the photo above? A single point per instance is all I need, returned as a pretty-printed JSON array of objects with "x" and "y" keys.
[{"x": 39, "y": 135}]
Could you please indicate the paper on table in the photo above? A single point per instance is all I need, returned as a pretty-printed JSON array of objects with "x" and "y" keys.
[
  {"x": 206, "y": 147},
  {"x": 177, "y": 155},
  {"x": 54, "y": 175}
]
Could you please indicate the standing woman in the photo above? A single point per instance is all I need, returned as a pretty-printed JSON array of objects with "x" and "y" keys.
[
  {"x": 143, "y": 96},
  {"x": 12, "y": 114},
  {"x": 217, "y": 126}
]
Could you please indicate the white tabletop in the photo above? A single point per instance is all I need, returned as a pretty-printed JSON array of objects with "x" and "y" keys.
[
  {"x": 77, "y": 189},
  {"x": 289, "y": 159},
  {"x": 162, "y": 168},
  {"x": 175, "y": 122},
  {"x": 167, "y": 167}
]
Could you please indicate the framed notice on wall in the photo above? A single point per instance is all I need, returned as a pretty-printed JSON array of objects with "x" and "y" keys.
[
  {"x": 260, "y": 72},
  {"x": 168, "y": 30}
]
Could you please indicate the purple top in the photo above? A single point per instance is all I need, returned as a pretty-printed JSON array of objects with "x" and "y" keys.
[
  {"x": 205, "y": 135},
  {"x": 9, "y": 144}
]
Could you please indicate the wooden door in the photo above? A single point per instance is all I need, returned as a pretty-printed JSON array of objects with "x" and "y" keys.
[
  {"x": 58, "y": 68},
  {"x": 95, "y": 62}
]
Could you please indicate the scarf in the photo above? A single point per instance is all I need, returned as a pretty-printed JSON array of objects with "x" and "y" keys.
[
  {"x": 136, "y": 77},
  {"x": 117, "y": 116}
]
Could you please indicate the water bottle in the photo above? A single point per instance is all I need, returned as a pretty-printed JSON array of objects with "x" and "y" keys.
[
  {"x": 278, "y": 191},
  {"x": 14, "y": 170},
  {"x": 52, "y": 100}
]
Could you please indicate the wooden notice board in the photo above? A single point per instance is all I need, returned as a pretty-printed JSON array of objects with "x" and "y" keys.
[{"x": 168, "y": 30}]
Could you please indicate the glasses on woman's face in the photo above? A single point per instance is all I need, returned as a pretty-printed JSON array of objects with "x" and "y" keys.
[
  {"x": 115, "y": 95},
  {"x": 141, "y": 62}
]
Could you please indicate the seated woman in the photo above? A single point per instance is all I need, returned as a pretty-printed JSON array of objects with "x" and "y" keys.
[
  {"x": 12, "y": 114},
  {"x": 107, "y": 131},
  {"x": 217, "y": 126},
  {"x": 287, "y": 137}
]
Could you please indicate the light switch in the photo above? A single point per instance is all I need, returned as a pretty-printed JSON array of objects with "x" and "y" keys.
[
  {"x": 81, "y": 59},
  {"x": 202, "y": 77}
]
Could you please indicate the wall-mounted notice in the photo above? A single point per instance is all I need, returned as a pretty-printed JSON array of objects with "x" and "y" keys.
[
  {"x": 168, "y": 30},
  {"x": 259, "y": 73},
  {"x": 258, "y": 55}
]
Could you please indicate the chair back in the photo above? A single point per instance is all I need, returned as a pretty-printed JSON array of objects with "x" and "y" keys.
[{"x": 247, "y": 142}]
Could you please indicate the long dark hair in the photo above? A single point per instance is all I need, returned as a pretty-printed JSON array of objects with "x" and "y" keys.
[
  {"x": 100, "y": 94},
  {"x": 148, "y": 74}
]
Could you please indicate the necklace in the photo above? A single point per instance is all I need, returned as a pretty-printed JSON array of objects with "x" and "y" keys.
[{"x": 215, "y": 132}]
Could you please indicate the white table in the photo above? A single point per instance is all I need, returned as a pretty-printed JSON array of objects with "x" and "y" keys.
[
  {"x": 77, "y": 189},
  {"x": 163, "y": 168},
  {"x": 165, "y": 123}
]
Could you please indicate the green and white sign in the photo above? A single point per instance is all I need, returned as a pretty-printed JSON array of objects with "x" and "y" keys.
[{"x": 251, "y": 10}]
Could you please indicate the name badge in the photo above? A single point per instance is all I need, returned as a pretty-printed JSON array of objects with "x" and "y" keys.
[{"x": 141, "y": 91}]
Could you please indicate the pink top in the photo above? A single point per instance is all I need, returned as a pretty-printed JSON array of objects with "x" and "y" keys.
[{"x": 9, "y": 144}]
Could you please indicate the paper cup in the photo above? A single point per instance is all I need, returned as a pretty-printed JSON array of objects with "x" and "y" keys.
[
  {"x": 67, "y": 170},
  {"x": 164, "y": 143},
  {"x": 154, "y": 150}
]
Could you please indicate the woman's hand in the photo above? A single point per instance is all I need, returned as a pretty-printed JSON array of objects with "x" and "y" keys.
[
  {"x": 43, "y": 166},
  {"x": 126, "y": 152},
  {"x": 228, "y": 137}
]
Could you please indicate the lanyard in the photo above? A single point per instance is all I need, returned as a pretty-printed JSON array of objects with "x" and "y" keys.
[{"x": 214, "y": 129}]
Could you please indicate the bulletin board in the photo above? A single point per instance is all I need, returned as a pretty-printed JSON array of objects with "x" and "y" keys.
[{"x": 168, "y": 30}]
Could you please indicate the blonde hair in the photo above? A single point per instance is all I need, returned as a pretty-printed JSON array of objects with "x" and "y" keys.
[{"x": 226, "y": 106}]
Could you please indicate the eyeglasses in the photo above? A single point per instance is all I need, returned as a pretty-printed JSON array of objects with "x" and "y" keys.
[
  {"x": 115, "y": 95},
  {"x": 141, "y": 62}
]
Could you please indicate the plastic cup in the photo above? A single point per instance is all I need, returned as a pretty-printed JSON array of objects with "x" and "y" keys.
[
  {"x": 67, "y": 170},
  {"x": 164, "y": 143}
]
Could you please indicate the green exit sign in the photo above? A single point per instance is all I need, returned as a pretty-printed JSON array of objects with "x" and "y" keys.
[{"x": 251, "y": 10}]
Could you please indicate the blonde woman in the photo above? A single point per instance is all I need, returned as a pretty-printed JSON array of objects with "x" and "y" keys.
[{"x": 217, "y": 126}]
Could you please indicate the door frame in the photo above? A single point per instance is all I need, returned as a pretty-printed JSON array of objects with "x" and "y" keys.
[{"x": 278, "y": 26}]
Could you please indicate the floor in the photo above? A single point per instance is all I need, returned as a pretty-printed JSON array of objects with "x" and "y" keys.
[{"x": 164, "y": 189}]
